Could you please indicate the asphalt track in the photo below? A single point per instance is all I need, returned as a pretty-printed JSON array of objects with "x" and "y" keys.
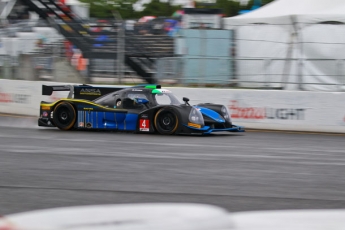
[{"x": 45, "y": 168}]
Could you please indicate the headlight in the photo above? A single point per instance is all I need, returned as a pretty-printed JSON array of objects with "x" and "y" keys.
[
  {"x": 196, "y": 117},
  {"x": 226, "y": 113}
]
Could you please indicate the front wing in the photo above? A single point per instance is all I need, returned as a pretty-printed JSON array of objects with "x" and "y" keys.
[{"x": 205, "y": 130}]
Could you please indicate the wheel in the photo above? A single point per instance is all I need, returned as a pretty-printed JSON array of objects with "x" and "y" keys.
[
  {"x": 166, "y": 121},
  {"x": 64, "y": 116}
]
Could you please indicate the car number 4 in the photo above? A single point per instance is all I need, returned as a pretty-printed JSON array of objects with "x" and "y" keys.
[{"x": 144, "y": 125}]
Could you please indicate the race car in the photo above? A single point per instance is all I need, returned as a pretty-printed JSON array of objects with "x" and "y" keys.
[{"x": 139, "y": 109}]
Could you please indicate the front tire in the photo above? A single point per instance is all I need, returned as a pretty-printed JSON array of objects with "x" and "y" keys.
[
  {"x": 64, "y": 116},
  {"x": 166, "y": 121}
]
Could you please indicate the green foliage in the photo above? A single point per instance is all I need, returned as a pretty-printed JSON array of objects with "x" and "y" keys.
[
  {"x": 105, "y": 8},
  {"x": 251, "y": 3},
  {"x": 157, "y": 8},
  {"x": 230, "y": 8}
]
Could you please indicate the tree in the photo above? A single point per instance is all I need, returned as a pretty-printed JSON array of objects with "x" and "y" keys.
[
  {"x": 158, "y": 8},
  {"x": 230, "y": 8},
  {"x": 251, "y": 3},
  {"x": 105, "y": 8}
]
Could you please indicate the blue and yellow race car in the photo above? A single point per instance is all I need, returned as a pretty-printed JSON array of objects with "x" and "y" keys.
[{"x": 139, "y": 109}]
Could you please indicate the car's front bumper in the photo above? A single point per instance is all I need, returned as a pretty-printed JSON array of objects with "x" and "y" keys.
[{"x": 207, "y": 129}]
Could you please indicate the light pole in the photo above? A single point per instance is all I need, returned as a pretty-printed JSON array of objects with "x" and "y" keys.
[{"x": 120, "y": 45}]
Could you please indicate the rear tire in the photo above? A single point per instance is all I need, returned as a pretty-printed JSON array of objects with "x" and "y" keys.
[
  {"x": 166, "y": 121},
  {"x": 64, "y": 116}
]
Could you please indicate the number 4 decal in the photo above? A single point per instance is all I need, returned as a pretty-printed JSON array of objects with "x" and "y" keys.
[{"x": 144, "y": 125}]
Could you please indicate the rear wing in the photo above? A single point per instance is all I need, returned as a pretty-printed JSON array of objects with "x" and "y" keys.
[
  {"x": 49, "y": 89},
  {"x": 86, "y": 92}
]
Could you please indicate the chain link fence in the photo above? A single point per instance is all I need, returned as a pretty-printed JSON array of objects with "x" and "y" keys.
[
  {"x": 294, "y": 74},
  {"x": 33, "y": 51}
]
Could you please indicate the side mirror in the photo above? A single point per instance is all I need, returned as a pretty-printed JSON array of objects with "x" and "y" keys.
[
  {"x": 142, "y": 101},
  {"x": 186, "y": 99}
]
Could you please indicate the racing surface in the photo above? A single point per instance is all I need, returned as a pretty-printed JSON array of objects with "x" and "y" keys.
[{"x": 46, "y": 168}]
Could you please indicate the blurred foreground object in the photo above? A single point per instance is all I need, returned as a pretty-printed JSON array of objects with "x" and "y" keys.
[
  {"x": 170, "y": 216},
  {"x": 129, "y": 216}
]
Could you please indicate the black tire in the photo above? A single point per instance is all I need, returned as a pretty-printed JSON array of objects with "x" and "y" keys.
[
  {"x": 64, "y": 116},
  {"x": 166, "y": 121}
]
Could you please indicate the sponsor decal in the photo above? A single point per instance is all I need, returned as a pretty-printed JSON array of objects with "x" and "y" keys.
[
  {"x": 45, "y": 107},
  {"x": 144, "y": 116},
  {"x": 194, "y": 125},
  {"x": 81, "y": 124},
  {"x": 14, "y": 98},
  {"x": 144, "y": 125},
  {"x": 96, "y": 92},
  {"x": 260, "y": 113},
  {"x": 5, "y": 98}
]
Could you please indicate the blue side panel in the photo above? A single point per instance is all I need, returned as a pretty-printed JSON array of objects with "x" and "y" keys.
[
  {"x": 94, "y": 119},
  {"x": 101, "y": 120},
  {"x": 131, "y": 121},
  {"x": 80, "y": 119},
  {"x": 113, "y": 120},
  {"x": 87, "y": 117},
  {"x": 109, "y": 120}
]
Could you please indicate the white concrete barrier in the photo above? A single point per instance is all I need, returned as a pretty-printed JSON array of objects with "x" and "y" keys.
[
  {"x": 257, "y": 109},
  {"x": 276, "y": 110},
  {"x": 24, "y": 97}
]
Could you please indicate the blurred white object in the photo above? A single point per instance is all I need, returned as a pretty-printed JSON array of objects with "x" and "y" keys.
[
  {"x": 128, "y": 216},
  {"x": 290, "y": 220},
  {"x": 169, "y": 216},
  {"x": 302, "y": 30}
]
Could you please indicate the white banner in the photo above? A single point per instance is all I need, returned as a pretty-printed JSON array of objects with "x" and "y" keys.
[
  {"x": 24, "y": 97},
  {"x": 277, "y": 110},
  {"x": 257, "y": 109}
]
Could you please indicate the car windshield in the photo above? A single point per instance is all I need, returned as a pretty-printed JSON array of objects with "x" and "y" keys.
[
  {"x": 166, "y": 99},
  {"x": 136, "y": 95}
]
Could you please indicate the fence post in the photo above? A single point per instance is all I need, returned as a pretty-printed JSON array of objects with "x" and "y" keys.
[
  {"x": 267, "y": 63},
  {"x": 340, "y": 76},
  {"x": 300, "y": 74},
  {"x": 159, "y": 70}
]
